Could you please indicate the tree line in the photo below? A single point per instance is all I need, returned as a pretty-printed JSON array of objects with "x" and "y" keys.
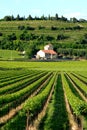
[{"x": 56, "y": 17}]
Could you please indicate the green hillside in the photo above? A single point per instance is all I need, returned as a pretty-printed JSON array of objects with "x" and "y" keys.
[{"x": 68, "y": 38}]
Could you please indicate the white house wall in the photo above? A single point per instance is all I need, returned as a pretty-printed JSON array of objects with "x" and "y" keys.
[
  {"x": 41, "y": 54},
  {"x": 48, "y": 47}
]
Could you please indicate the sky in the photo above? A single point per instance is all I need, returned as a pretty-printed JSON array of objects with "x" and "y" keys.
[{"x": 66, "y": 8}]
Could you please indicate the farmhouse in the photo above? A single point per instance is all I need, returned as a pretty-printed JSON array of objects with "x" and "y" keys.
[{"x": 47, "y": 53}]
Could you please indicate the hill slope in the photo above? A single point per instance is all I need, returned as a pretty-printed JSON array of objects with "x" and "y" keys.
[{"x": 67, "y": 38}]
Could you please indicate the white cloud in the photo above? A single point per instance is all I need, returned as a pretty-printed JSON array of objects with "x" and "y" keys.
[{"x": 74, "y": 14}]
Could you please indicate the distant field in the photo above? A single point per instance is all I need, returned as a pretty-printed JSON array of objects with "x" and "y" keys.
[
  {"x": 56, "y": 66},
  {"x": 10, "y": 55}
]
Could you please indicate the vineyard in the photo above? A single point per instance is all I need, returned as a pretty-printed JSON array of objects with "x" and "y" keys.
[{"x": 43, "y": 96}]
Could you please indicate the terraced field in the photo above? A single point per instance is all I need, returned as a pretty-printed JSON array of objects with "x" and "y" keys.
[{"x": 43, "y": 95}]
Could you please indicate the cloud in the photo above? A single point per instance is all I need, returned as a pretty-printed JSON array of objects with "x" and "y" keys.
[{"x": 74, "y": 14}]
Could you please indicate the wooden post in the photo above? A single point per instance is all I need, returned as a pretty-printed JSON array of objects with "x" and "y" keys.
[{"x": 27, "y": 123}]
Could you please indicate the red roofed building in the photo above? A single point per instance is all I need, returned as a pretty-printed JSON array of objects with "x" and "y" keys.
[{"x": 47, "y": 53}]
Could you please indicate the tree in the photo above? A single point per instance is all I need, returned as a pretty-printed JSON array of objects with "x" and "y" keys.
[
  {"x": 41, "y": 27},
  {"x": 53, "y": 28},
  {"x": 85, "y": 35},
  {"x": 43, "y": 18},
  {"x": 56, "y": 17},
  {"x": 49, "y": 38},
  {"x": 49, "y": 18},
  {"x": 12, "y": 18},
  {"x": 12, "y": 37},
  {"x": 63, "y": 18},
  {"x": 74, "y": 20},
  {"x": 29, "y": 28},
  {"x": 1, "y": 34},
  {"x": 30, "y": 17},
  {"x": 21, "y": 27},
  {"x": 19, "y": 45},
  {"x": 61, "y": 37},
  {"x": 7, "y": 18},
  {"x": 31, "y": 50},
  {"x": 18, "y": 17},
  {"x": 6, "y": 44}
]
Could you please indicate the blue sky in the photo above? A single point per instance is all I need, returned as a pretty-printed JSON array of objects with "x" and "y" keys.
[{"x": 67, "y": 8}]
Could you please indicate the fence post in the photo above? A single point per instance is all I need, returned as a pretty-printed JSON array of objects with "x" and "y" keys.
[{"x": 27, "y": 123}]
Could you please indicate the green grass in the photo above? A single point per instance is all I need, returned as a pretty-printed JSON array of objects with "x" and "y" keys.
[
  {"x": 53, "y": 66},
  {"x": 9, "y": 55}
]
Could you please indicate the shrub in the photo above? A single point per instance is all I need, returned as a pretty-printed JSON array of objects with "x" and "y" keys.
[
  {"x": 21, "y": 27},
  {"x": 54, "y": 28},
  {"x": 29, "y": 28}
]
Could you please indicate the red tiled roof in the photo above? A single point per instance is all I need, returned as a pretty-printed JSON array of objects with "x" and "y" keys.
[{"x": 49, "y": 52}]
